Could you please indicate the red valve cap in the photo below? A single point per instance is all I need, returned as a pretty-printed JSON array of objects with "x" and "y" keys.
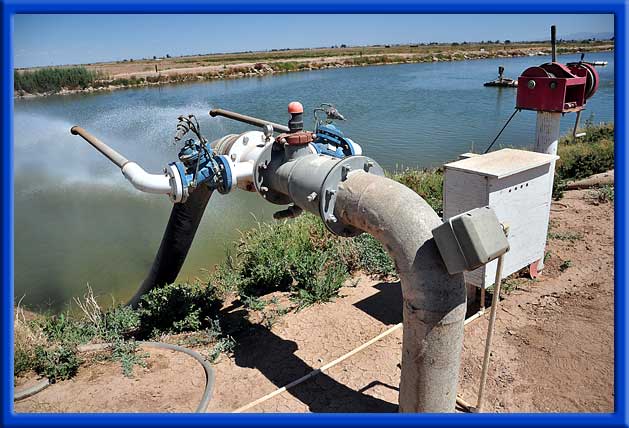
[{"x": 295, "y": 107}]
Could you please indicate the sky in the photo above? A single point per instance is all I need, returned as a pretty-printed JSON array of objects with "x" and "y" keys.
[{"x": 41, "y": 40}]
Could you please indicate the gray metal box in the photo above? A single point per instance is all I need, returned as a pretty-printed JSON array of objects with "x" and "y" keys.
[{"x": 470, "y": 240}]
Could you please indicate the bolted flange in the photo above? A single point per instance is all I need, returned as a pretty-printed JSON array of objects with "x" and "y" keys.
[{"x": 338, "y": 174}]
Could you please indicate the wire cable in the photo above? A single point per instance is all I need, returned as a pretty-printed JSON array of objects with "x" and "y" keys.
[{"x": 503, "y": 128}]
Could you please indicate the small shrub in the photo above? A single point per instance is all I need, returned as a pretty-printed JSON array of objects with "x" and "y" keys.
[
  {"x": 582, "y": 159},
  {"x": 22, "y": 361},
  {"x": 225, "y": 345},
  {"x": 57, "y": 363},
  {"x": 565, "y": 265},
  {"x": 176, "y": 308},
  {"x": 602, "y": 195},
  {"x": 119, "y": 322},
  {"x": 321, "y": 286},
  {"x": 64, "y": 329},
  {"x": 253, "y": 303},
  {"x": 559, "y": 187},
  {"x": 127, "y": 353},
  {"x": 426, "y": 183},
  {"x": 372, "y": 257}
]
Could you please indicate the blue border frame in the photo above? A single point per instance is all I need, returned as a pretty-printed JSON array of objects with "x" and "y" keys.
[{"x": 617, "y": 7}]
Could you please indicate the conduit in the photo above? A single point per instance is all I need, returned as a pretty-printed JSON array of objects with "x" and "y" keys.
[
  {"x": 434, "y": 302},
  {"x": 209, "y": 371}
]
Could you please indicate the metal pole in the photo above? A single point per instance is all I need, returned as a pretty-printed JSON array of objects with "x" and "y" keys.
[
  {"x": 490, "y": 334},
  {"x": 248, "y": 119},
  {"x": 109, "y": 153},
  {"x": 553, "y": 41},
  {"x": 576, "y": 125}
]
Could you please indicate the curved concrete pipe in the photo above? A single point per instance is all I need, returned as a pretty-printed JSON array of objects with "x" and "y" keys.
[{"x": 434, "y": 301}]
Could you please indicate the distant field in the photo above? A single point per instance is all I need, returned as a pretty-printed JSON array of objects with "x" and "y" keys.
[{"x": 166, "y": 69}]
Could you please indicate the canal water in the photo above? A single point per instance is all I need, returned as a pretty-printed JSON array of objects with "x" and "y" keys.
[{"x": 78, "y": 221}]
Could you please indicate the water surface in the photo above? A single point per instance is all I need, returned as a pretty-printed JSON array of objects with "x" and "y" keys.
[{"x": 78, "y": 221}]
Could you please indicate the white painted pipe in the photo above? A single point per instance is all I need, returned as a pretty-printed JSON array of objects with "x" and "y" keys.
[
  {"x": 242, "y": 173},
  {"x": 145, "y": 182},
  {"x": 547, "y": 132}
]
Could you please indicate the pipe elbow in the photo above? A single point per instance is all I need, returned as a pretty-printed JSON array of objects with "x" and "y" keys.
[
  {"x": 434, "y": 301},
  {"x": 403, "y": 222},
  {"x": 145, "y": 182}
]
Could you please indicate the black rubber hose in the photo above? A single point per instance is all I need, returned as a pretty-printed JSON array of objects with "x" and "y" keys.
[
  {"x": 182, "y": 226},
  {"x": 209, "y": 372}
]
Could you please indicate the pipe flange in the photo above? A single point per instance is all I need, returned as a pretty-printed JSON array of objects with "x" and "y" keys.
[
  {"x": 338, "y": 174},
  {"x": 226, "y": 175},
  {"x": 179, "y": 192},
  {"x": 272, "y": 154}
]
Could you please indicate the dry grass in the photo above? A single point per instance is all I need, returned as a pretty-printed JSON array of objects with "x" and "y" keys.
[{"x": 90, "y": 307}]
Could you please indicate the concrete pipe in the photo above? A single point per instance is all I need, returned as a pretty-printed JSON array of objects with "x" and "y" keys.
[{"x": 434, "y": 301}]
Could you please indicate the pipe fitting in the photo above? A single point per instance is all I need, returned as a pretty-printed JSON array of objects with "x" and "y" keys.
[
  {"x": 282, "y": 178},
  {"x": 149, "y": 183},
  {"x": 434, "y": 302}
]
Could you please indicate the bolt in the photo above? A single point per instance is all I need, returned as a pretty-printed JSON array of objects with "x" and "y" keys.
[
  {"x": 330, "y": 193},
  {"x": 311, "y": 197},
  {"x": 245, "y": 141},
  {"x": 233, "y": 157},
  {"x": 368, "y": 165},
  {"x": 344, "y": 171},
  {"x": 531, "y": 84},
  {"x": 264, "y": 189},
  {"x": 553, "y": 85},
  {"x": 332, "y": 219}
]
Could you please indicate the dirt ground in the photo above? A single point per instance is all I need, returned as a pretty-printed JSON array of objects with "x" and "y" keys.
[{"x": 553, "y": 349}]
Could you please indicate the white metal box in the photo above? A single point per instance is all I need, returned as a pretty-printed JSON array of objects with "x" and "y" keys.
[{"x": 517, "y": 185}]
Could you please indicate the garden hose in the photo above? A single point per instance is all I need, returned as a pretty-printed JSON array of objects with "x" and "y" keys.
[
  {"x": 209, "y": 371},
  {"x": 32, "y": 390}
]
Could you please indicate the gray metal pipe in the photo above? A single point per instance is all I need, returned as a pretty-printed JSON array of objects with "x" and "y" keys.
[
  {"x": 248, "y": 119},
  {"x": 434, "y": 301},
  {"x": 109, "y": 153}
]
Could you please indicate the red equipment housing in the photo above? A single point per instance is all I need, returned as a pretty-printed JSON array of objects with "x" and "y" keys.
[{"x": 556, "y": 87}]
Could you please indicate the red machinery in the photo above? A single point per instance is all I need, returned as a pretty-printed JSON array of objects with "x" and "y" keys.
[{"x": 555, "y": 87}]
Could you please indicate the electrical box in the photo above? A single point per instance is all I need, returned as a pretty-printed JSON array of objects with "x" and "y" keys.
[
  {"x": 517, "y": 185},
  {"x": 470, "y": 240}
]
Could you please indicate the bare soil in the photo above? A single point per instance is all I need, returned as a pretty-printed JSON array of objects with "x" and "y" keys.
[{"x": 553, "y": 349}]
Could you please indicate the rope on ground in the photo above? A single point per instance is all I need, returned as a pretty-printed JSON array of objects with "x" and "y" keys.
[
  {"x": 332, "y": 363},
  {"x": 209, "y": 371}
]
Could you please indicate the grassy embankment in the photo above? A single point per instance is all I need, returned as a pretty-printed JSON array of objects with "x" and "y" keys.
[
  {"x": 298, "y": 256},
  {"x": 133, "y": 73}
]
